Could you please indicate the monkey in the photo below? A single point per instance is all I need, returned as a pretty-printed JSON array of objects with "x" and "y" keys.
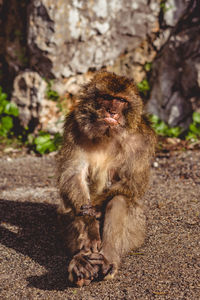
[{"x": 103, "y": 172}]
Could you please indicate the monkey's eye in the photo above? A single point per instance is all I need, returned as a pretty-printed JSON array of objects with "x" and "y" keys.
[
  {"x": 123, "y": 100},
  {"x": 107, "y": 97}
]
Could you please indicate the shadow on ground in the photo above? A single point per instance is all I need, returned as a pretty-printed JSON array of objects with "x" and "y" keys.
[{"x": 32, "y": 229}]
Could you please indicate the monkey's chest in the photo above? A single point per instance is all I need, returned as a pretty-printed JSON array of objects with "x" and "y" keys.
[
  {"x": 100, "y": 173},
  {"x": 100, "y": 180}
]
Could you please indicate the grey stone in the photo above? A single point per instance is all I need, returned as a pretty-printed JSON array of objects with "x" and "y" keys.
[
  {"x": 175, "y": 74},
  {"x": 173, "y": 10},
  {"x": 29, "y": 92},
  {"x": 35, "y": 110}
]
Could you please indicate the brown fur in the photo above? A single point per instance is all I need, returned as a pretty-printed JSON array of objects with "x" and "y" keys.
[{"x": 103, "y": 173}]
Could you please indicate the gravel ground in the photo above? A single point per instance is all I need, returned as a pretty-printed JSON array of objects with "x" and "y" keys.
[{"x": 32, "y": 259}]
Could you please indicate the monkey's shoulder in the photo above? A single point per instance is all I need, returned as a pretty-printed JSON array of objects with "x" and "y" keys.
[
  {"x": 146, "y": 127},
  {"x": 132, "y": 141}
]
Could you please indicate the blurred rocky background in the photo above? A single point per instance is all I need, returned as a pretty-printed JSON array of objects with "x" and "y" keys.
[{"x": 48, "y": 48}]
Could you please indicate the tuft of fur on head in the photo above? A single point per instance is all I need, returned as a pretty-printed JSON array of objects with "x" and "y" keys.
[{"x": 106, "y": 83}]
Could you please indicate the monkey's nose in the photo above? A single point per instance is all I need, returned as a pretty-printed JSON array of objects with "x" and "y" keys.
[
  {"x": 114, "y": 115},
  {"x": 111, "y": 112}
]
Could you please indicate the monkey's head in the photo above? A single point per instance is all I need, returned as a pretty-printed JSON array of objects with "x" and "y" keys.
[{"x": 108, "y": 104}]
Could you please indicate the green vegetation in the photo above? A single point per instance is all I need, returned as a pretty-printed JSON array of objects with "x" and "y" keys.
[
  {"x": 164, "y": 6},
  {"x": 45, "y": 143},
  {"x": 50, "y": 93},
  {"x": 148, "y": 66},
  {"x": 194, "y": 128},
  {"x": 161, "y": 128},
  {"x": 143, "y": 87},
  {"x": 193, "y": 133},
  {"x": 8, "y": 111}
]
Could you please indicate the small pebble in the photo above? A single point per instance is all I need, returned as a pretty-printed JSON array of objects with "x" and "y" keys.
[{"x": 155, "y": 164}]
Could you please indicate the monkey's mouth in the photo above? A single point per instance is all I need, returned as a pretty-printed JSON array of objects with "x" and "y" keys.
[{"x": 112, "y": 119}]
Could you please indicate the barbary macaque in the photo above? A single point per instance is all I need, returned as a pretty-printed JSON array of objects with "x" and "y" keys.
[{"x": 103, "y": 170}]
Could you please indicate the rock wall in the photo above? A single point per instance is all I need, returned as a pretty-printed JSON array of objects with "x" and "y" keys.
[
  {"x": 174, "y": 80},
  {"x": 74, "y": 36},
  {"x": 60, "y": 40},
  {"x": 13, "y": 40}
]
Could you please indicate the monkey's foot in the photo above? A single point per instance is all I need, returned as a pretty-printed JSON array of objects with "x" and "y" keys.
[
  {"x": 81, "y": 271},
  {"x": 107, "y": 270},
  {"x": 110, "y": 274}
]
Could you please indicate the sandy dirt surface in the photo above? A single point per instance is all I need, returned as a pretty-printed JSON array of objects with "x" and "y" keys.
[{"x": 32, "y": 258}]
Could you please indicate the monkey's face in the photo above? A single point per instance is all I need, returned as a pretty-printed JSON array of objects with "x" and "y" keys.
[
  {"x": 102, "y": 116},
  {"x": 108, "y": 105},
  {"x": 111, "y": 111}
]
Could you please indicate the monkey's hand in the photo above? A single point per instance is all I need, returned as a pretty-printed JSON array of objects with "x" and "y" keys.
[{"x": 89, "y": 210}]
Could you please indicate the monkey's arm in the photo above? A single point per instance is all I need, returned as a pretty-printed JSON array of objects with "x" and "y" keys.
[
  {"x": 73, "y": 182},
  {"x": 80, "y": 232}
]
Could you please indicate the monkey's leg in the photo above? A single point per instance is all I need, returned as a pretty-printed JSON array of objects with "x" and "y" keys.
[{"x": 124, "y": 229}]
